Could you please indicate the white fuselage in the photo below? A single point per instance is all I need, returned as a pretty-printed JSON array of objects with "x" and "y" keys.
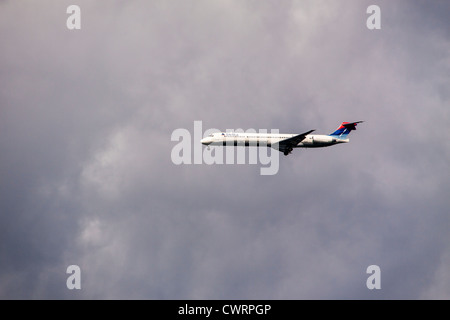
[{"x": 268, "y": 139}]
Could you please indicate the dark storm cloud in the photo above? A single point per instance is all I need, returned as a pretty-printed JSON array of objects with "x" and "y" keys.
[{"x": 87, "y": 178}]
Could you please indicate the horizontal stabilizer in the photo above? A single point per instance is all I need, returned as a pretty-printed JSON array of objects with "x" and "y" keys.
[{"x": 344, "y": 129}]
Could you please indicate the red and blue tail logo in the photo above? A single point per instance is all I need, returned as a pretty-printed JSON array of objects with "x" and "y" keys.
[{"x": 345, "y": 128}]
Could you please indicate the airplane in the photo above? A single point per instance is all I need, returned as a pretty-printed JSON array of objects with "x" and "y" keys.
[{"x": 282, "y": 142}]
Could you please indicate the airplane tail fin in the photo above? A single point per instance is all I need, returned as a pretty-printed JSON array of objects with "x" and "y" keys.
[{"x": 344, "y": 129}]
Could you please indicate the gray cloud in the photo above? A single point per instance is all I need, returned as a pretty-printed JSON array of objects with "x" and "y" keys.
[{"x": 86, "y": 175}]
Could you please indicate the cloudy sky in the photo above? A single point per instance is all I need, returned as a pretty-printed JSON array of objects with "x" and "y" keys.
[{"x": 87, "y": 179}]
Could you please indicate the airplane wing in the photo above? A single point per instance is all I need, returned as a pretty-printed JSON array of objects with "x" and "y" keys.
[{"x": 287, "y": 145}]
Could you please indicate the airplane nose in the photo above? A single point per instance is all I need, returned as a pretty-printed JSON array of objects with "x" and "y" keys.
[{"x": 206, "y": 141}]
